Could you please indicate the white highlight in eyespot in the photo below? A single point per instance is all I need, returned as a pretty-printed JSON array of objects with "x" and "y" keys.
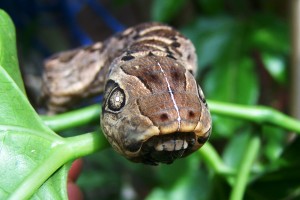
[{"x": 172, "y": 96}]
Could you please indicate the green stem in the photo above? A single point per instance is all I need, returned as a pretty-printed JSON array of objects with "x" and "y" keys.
[
  {"x": 211, "y": 157},
  {"x": 257, "y": 114},
  {"x": 66, "y": 150},
  {"x": 86, "y": 144},
  {"x": 73, "y": 119},
  {"x": 244, "y": 170}
]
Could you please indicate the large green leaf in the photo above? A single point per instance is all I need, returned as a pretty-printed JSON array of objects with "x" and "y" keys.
[
  {"x": 211, "y": 37},
  {"x": 270, "y": 36},
  {"x": 8, "y": 49},
  {"x": 28, "y": 148}
]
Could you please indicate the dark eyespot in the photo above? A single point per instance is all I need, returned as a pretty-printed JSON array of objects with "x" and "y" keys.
[{"x": 116, "y": 99}]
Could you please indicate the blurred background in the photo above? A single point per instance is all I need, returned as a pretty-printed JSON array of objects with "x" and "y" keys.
[{"x": 244, "y": 56}]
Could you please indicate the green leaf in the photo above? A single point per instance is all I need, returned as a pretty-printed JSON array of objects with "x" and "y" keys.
[
  {"x": 274, "y": 142},
  {"x": 164, "y": 11},
  {"x": 236, "y": 83},
  {"x": 276, "y": 67},
  {"x": 271, "y": 34},
  {"x": 211, "y": 37},
  {"x": 283, "y": 182},
  {"x": 8, "y": 52},
  {"x": 235, "y": 149},
  {"x": 241, "y": 82},
  {"x": 26, "y": 144},
  {"x": 182, "y": 180}
]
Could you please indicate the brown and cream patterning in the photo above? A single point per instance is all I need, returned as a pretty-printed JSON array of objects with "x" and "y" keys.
[{"x": 153, "y": 109}]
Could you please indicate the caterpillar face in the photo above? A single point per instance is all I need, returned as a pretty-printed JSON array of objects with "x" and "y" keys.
[{"x": 154, "y": 111}]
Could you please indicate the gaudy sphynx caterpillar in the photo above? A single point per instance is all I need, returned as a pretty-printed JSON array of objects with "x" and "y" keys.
[{"x": 153, "y": 109}]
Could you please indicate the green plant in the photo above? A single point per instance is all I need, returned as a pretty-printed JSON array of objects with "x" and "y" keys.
[{"x": 35, "y": 160}]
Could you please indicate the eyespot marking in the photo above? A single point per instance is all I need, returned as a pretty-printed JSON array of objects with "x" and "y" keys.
[{"x": 116, "y": 99}]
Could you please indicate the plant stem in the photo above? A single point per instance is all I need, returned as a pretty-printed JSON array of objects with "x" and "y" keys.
[
  {"x": 211, "y": 157},
  {"x": 244, "y": 170},
  {"x": 73, "y": 119},
  {"x": 66, "y": 150},
  {"x": 86, "y": 144},
  {"x": 257, "y": 114}
]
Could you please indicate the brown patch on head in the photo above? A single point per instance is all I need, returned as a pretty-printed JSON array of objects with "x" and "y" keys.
[
  {"x": 173, "y": 92},
  {"x": 176, "y": 76},
  {"x": 153, "y": 77},
  {"x": 160, "y": 109},
  {"x": 191, "y": 114}
]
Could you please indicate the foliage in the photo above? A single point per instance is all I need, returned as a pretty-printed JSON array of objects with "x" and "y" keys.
[
  {"x": 247, "y": 157},
  {"x": 28, "y": 146}
]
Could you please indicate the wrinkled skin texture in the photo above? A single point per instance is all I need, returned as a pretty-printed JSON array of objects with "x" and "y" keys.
[{"x": 153, "y": 110}]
